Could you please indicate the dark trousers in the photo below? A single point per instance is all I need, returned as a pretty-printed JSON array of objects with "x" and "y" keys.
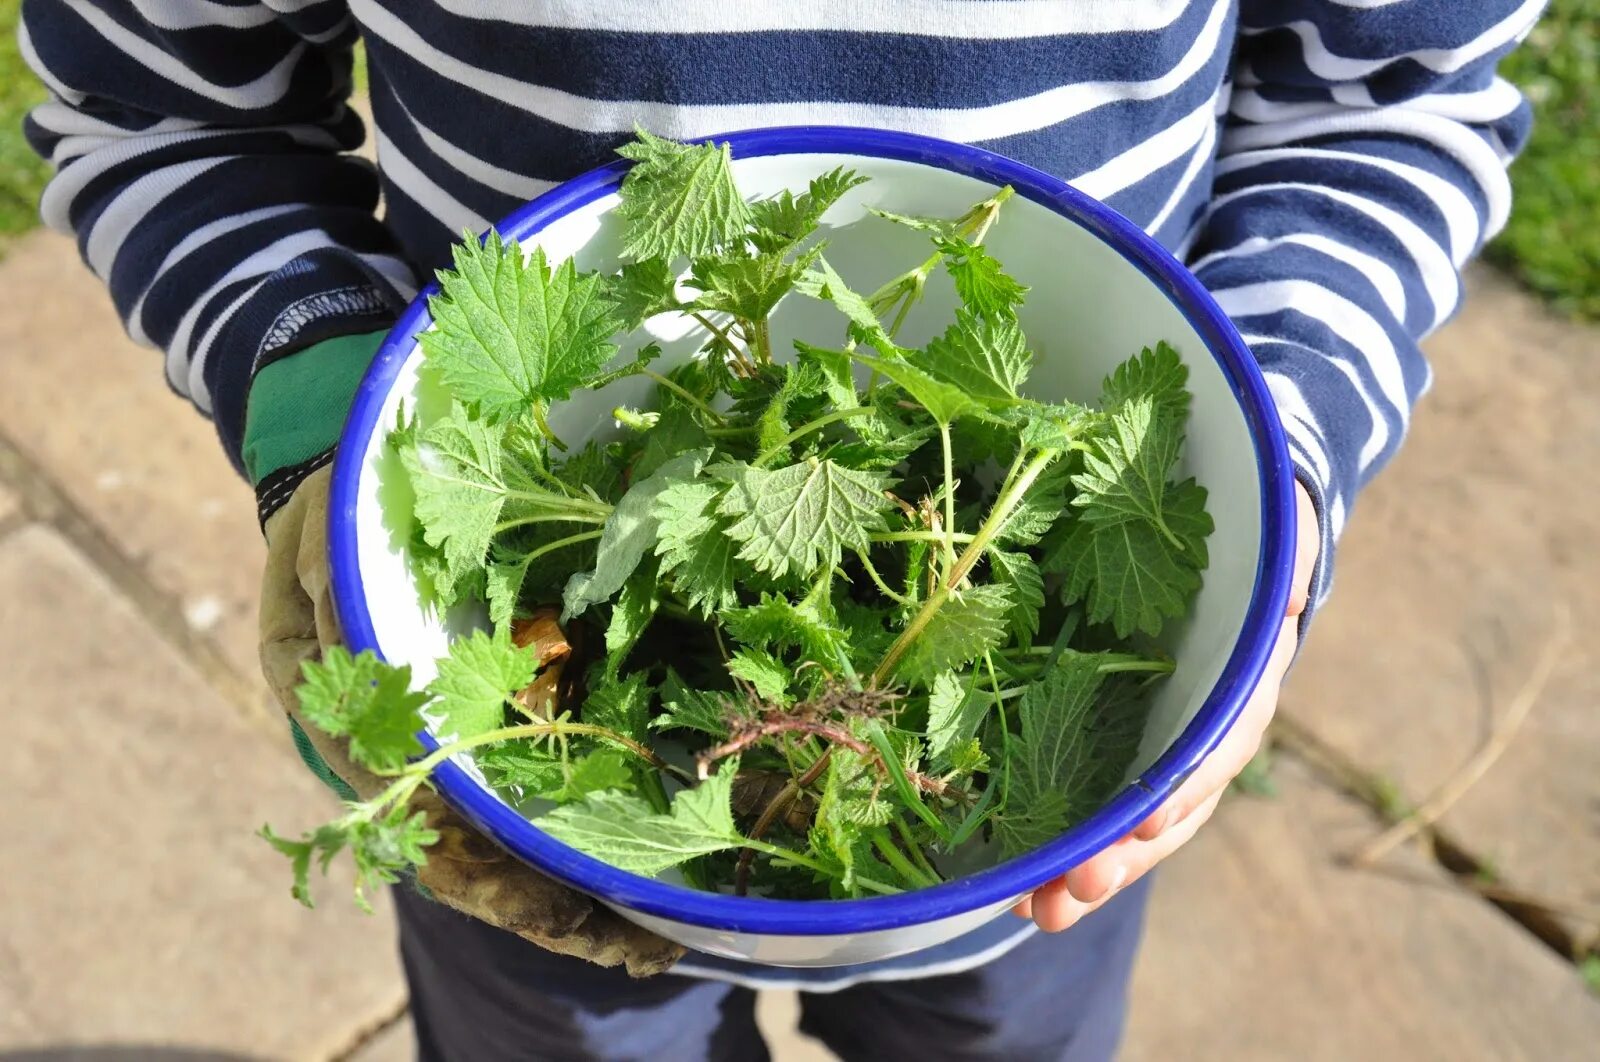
[{"x": 482, "y": 995}]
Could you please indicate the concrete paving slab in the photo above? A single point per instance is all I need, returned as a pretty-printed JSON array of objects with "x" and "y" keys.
[
  {"x": 1260, "y": 947},
  {"x": 94, "y": 411},
  {"x": 1455, "y": 563},
  {"x": 140, "y": 911},
  {"x": 8, "y": 502},
  {"x": 395, "y": 1043}
]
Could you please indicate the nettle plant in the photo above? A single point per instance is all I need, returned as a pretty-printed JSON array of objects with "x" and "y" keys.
[{"x": 812, "y": 623}]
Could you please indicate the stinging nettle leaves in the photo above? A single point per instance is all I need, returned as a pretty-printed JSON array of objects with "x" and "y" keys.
[
  {"x": 785, "y": 219},
  {"x": 983, "y": 287},
  {"x": 1051, "y": 758},
  {"x": 693, "y": 544},
  {"x": 1159, "y": 375},
  {"x": 475, "y": 679},
  {"x": 971, "y": 623},
  {"x": 803, "y": 517},
  {"x": 511, "y": 334},
  {"x": 986, "y": 358},
  {"x": 367, "y": 701},
  {"x": 679, "y": 199}
]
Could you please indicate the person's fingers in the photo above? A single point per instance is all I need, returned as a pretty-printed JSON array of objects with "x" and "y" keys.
[
  {"x": 1308, "y": 542},
  {"x": 1054, "y": 908},
  {"x": 1024, "y": 907}
]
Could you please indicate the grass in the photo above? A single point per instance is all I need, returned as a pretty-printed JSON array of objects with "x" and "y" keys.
[
  {"x": 1552, "y": 242},
  {"x": 22, "y": 173}
]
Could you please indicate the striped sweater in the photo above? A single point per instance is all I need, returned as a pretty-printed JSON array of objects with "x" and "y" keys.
[{"x": 1325, "y": 166}]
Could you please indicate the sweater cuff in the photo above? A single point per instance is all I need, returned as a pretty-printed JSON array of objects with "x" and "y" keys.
[{"x": 319, "y": 296}]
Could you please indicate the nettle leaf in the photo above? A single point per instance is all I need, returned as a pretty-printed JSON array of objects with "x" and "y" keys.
[
  {"x": 684, "y": 708},
  {"x": 595, "y": 470},
  {"x": 748, "y": 287},
  {"x": 1124, "y": 474},
  {"x": 777, "y": 622},
  {"x": 629, "y": 531},
  {"x": 942, "y": 228},
  {"x": 474, "y": 680},
  {"x": 1018, "y": 572},
  {"x": 987, "y": 359},
  {"x": 641, "y": 290},
  {"x": 679, "y": 199},
  {"x": 365, "y": 700},
  {"x": 382, "y": 848},
  {"x": 945, "y": 402},
  {"x": 623, "y": 831},
  {"x": 984, "y": 287},
  {"x": 824, "y": 283},
  {"x": 800, "y": 382},
  {"x": 768, "y": 675},
  {"x": 635, "y": 607},
  {"x": 785, "y": 219},
  {"x": 1128, "y": 572},
  {"x": 503, "y": 579},
  {"x": 455, "y": 471},
  {"x": 596, "y": 772},
  {"x": 1058, "y": 426},
  {"x": 803, "y": 517},
  {"x": 1159, "y": 375},
  {"x": 1051, "y": 759},
  {"x": 621, "y": 705},
  {"x": 693, "y": 544},
  {"x": 955, "y": 711},
  {"x": 838, "y": 381},
  {"x": 511, "y": 334},
  {"x": 1040, "y": 509},
  {"x": 529, "y": 765},
  {"x": 969, "y": 624}
]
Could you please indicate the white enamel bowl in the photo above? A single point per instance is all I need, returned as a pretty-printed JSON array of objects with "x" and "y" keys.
[{"x": 1101, "y": 291}]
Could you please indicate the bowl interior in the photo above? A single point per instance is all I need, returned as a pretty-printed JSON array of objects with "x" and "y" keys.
[{"x": 1090, "y": 308}]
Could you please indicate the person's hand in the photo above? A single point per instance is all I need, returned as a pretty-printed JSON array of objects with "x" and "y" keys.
[
  {"x": 1058, "y": 904},
  {"x": 292, "y": 424}
]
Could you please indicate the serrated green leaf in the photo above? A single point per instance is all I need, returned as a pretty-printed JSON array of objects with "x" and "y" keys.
[
  {"x": 785, "y": 219},
  {"x": 801, "y": 518},
  {"x": 835, "y": 368},
  {"x": 503, "y": 581},
  {"x": 1051, "y": 758},
  {"x": 474, "y": 680},
  {"x": 693, "y": 544},
  {"x": 629, "y": 531},
  {"x": 823, "y": 282},
  {"x": 621, "y": 705},
  {"x": 1058, "y": 426},
  {"x": 968, "y": 757},
  {"x": 594, "y": 470},
  {"x": 1019, "y": 573},
  {"x": 747, "y": 287},
  {"x": 683, "y": 708},
  {"x": 641, "y": 290},
  {"x": 777, "y": 622},
  {"x": 969, "y": 624},
  {"x": 623, "y": 831},
  {"x": 800, "y": 382},
  {"x": 1124, "y": 475},
  {"x": 987, "y": 359},
  {"x": 768, "y": 675},
  {"x": 599, "y": 771},
  {"x": 1040, "y": 509},
  {"x": 945, "y": 402},
  {"x": 982, "y": 285},
  {"x": 365, "y": 700},
  {"x": 1159, "y": 375},
  {"x": 382, "y": 848},
  {"x": 679, "y": 199},
  {"x": 1126, "y": 573},
  {"x": 634, "y": 609},
  {"x": 955, "y": 711},
  {"x": 531, "y": 766},
  {"x": 509, "y": 334}
]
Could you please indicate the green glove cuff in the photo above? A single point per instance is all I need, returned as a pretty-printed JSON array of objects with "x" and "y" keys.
[{"x": 298, "y": 404}]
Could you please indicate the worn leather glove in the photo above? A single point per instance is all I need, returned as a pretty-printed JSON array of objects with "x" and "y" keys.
[{"x": 296, "y": 408}]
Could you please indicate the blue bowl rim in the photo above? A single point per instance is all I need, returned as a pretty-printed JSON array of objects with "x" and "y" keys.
[{"x": 1269, "y": 596}]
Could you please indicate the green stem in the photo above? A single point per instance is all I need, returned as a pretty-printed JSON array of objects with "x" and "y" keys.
[
  {"x": 557, "y": 503},
  {"x": 1003, "y": 507},
  {"x": 919, "y": 536},
  {"x": 807, "y": 428},
  {"x": 949, "y": 498},
  {"x": 683, "y": 393},
  {"x": 551, "y": 547},
  {"x": 506, "y": 525},
  {"x": 872, "y": 573},
  {"x": 544, "y": 426},
  {"x": 915, "y": 849},
  {"x": 897, "y": 859}
]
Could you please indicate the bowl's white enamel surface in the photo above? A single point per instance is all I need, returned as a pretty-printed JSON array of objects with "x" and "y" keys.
[{"x": 1089, "y": 309}]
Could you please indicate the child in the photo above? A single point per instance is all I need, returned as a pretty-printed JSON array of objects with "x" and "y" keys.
[{"x": 1326, "y": 167}]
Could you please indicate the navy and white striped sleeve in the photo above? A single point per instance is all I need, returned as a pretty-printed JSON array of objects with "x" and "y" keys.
[
  {"x": 200, "y": 153},
  {"x": 1363, "y": 162}
]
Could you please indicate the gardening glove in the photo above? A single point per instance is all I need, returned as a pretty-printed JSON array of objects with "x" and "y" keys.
[{"x": 296, "y": 408}]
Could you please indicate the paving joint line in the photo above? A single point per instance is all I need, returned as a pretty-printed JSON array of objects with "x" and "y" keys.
[
  {"x": 1333, "y": 767},
  {"x": 44, "y": 501},
  {"x": 369, "y": 1030}
]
